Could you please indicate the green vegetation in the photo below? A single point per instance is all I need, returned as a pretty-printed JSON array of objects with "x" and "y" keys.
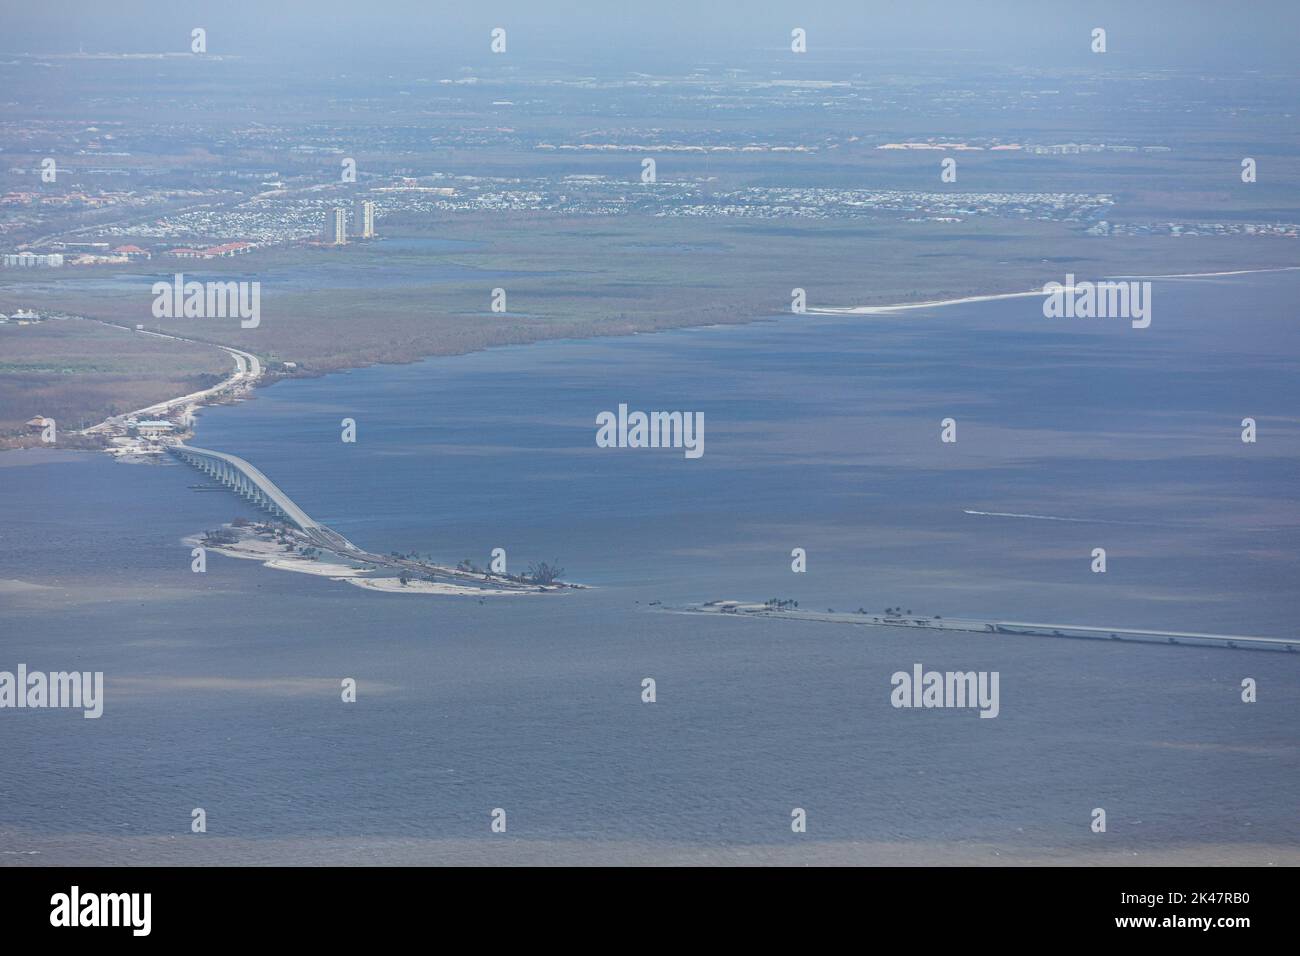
[
  {"x": 564, "y": 277},
  {"x": 79, "y": 373}
]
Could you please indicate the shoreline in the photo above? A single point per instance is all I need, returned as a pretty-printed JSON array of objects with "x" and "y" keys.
[
  {"x": 254, "y": 376},
  {"x": 252, "y": 546},
  {"x": 248, "y": 372},
  {"x": 903, "y": 307},
  {"x": 935, "y": 303},
  {"x": 1206, "y": 275}
]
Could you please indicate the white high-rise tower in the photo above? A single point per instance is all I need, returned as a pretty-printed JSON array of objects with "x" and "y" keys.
[{"x": 366, "y": 219}]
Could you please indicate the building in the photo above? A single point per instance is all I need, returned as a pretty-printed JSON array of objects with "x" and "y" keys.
[
  {"x": 38, "y": 423},
  {"x": 87, "y": 259},
  {"x": 30, "y": 260},
  {"x": 131, "y": 252},
  {"x": 366, "y": 219},
  {"x": 227, "y": 249},
  {"x": 340, "y": 231},
  {"x": 151, "y": 429}
]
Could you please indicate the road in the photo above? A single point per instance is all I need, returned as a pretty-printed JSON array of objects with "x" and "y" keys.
[
  {"x": 740, "y": 609},
  {"x": 248, "y": 369}
]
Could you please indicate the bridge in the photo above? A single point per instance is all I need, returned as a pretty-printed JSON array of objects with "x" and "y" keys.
[
  {"x": 1140, "y": 635},
  {"x": 248, "y": 481}
]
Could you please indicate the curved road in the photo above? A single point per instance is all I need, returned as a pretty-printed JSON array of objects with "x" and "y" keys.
[
  {"x": 248, "y": 369},
  {"x": 203, "y": 457}
]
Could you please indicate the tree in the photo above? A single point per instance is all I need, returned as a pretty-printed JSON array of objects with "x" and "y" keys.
[{"x": 543, "y": 573}]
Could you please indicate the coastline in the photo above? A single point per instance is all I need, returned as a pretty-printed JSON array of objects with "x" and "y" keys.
[
  {"x": 935, "y": 303},
  {"x": 251, "y": 546},
  {"x": 250, "y": 371}
]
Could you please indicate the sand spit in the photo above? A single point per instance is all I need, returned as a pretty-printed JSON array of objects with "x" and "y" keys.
[
  {"x": 903, "y": 307},
  {"x": 935, "y": 303},
  {"x": 249, "y": 544}
]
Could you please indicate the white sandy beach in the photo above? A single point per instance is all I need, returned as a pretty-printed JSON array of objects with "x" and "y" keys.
[
  {"x": 902, "y": 307},
  {"x": 322, "y": 568},
  {"x": 394, "y": 586},
  {"x": 1206, "y": 275},
  {"x": 272, "y": 555},
  {"x": 935, "y": 303}
]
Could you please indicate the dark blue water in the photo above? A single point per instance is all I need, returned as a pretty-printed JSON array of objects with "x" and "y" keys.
[
  {"x": 820, "y": 433},
  {"x": 825, "y": 434}
]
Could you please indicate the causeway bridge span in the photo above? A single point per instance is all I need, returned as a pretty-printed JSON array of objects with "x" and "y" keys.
[{"x": 246, "y": 480}]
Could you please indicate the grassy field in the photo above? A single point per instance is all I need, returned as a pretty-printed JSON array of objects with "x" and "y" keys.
[
  {"x": 79, "y": 373},
  {"x": 399, "y": 301}
]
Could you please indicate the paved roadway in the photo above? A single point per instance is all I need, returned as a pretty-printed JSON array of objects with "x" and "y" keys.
[{"x": 248, "y": 369}]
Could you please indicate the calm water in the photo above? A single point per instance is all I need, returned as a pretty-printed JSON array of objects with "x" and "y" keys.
[{"x": 820, "y": 433}]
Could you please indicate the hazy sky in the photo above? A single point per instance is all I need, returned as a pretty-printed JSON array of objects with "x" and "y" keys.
[{"x": 1161, "y": 33}]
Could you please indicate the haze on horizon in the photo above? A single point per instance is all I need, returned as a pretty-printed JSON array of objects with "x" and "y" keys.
[{"x": 1165, "y": 34}]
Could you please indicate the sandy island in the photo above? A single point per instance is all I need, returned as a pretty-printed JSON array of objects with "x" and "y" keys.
[{"x": 251, "y": 545}]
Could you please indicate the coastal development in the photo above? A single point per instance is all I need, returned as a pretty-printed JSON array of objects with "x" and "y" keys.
[{"x": 147, "y": 431}]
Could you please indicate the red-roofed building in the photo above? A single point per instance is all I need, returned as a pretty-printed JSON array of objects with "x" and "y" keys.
[{"x": 131, "y": 252}]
